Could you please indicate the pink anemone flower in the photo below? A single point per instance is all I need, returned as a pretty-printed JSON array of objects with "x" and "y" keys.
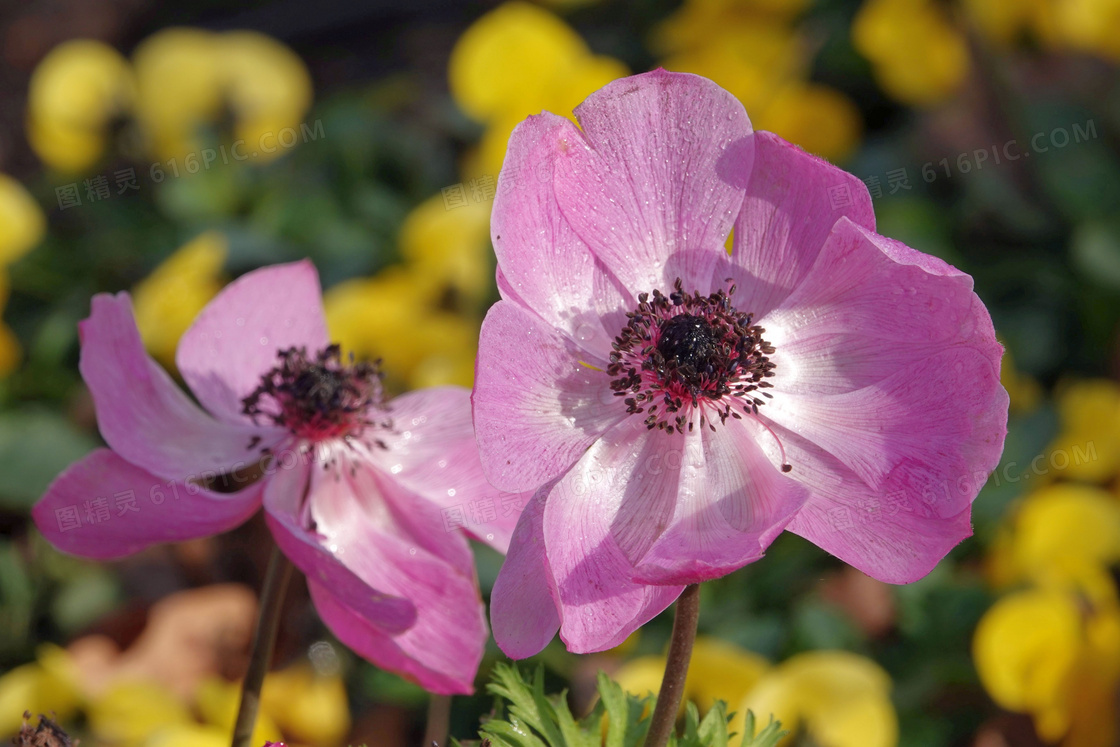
[
  {"x": 357, "y": 491},
  {"x": 677, "y": 400}
]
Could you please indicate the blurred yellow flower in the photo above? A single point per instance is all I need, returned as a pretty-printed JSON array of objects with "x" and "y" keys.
[
  {"x": 719, "y": 670},
  {"x": 168, "y": 300},
  {"x": 191, "y": 735},
  {"x": 515, "y": 61},
  {"x": 839, "y": 698},
  {"x": 1048, "y": 653},
  {"x": 22, "y": 226},
  {"x": 307, "y": 706},
  {"x": 187, "y": 78},
  {"x": 451, "y": 248},
  {"x": 751, "y": 63},
  {"x": 693, "y": 24},
  {"x": 797, "y": 111},
  {"x": 918, "y": 55},
  {"x": 1001, "y": 21},
  {"x": 1091, "y": 26},
  {"x": 130, "y": 712},
  {"x": 1088, "y": 444},
  {"x": 389, "y": 317},
  {"x": 1063, "y": 528},
  {"x": 217, "y": 701},
  {"x": 753, "y": 50},
  {"x": 181, "y": 79},
  {"x": 1024, "y": 391},
  {"x": 47, "y": 685},
  {"x": 22, "y": 223},
  {"x": 74, "y": 94}
]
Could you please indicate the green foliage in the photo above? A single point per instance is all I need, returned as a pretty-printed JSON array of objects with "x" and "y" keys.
[{"x": 526, "y": 717}]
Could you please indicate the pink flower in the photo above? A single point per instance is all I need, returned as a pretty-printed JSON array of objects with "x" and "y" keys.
[
  {"x": 365, "y": 497},
  {"x": 677, "y": 405}
]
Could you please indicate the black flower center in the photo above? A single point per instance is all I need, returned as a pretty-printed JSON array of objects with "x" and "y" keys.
[
  {"x": 686, "y": 354},
  {"x": 690, "y": 345},
  {"x": 318, "y": 397}
]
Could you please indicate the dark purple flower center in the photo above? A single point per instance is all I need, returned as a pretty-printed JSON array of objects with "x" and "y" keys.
[
  {"x": 684, "y": 354},
  {"x": 320, "y": 397}
]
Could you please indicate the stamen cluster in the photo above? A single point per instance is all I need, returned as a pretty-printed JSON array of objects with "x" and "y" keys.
[
  {"x": 685, "y": 352},
  {"x": 318, "y": 398}
]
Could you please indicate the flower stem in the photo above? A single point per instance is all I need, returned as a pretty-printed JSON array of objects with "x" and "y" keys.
[
  {"x": 264, "y": 639},
  {"x": 686, "y": 615},
  {"x": 439, "y": 721}
]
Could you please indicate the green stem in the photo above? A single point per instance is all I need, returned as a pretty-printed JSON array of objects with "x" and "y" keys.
[
  {"x": 264, "y": 639},
  {"x": 685, "y": 618},
  {"x": 439, "y": 721}
]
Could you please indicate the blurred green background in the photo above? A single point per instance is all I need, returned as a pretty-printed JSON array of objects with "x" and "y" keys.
[{"x": 166, "y": 149}]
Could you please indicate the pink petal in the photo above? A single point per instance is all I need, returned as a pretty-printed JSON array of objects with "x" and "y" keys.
[
  {"x": 792, "y": 201},
  {"x": 440, "y": 656},
  {"x": 542, "y": 264},
  {"x": 144, "y": 416},
  {"x": 523, "y": 610},
  {"x": 432, "y": 452},
  {"x": 234, "y": 341},
  {"x": 103, "y": 507},
  {"x": 894, "y": 533},
  {"x": 940, "y": 418},
  {"x": 731, "y": 502},
  {"x": 599, "y": 602},
  {"x": 309, "y": 551},
  {"x": 388, "y": 545},
  {"x": 536, "y": 408},
  {"x": 662, "y": 168},
  {"x": 869, "y": 285},
  {"x": 941, "y": 406}
]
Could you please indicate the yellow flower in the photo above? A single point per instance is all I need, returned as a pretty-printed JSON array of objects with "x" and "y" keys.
[
  {"x": 718, "y": 671},
  {"x": 217, "y": 701},
  {"x": 515, "y": 61},
  {"x": 192, "y": 735},
  {"x": 1088, "y": 445},
  {"x": 267, "y": 86},
  {"x": 307, "y": 706},
  {"x": 796, "y": 114},
  {"x": 1089, "y": 26},
  {"x": 450, "y": 248},
  {"x": 1001, "y": 21},
  {"x": 1024, "y": 391},
  {"x": 752, "y": 63},
  {"x": 1063, "y": 528},
  {"x": 128, "y": 713},
  {"x": 1047, "y": 653},
  {"x": 919, "y": 57},
  {"x": 839, "y": 698},
  {"x": 389, "y": 317},
  {"x": 73, "y": 95},
  {"x": 186, "y": 77},
  {"x": 22, "y": 226},
  {"x": 763, "y": 63},
  {"x": 168, "y": 300},
  {"x": 697, "y": 21},
  {"x": 47, "y": 686},
  {"x": 500, "y": 62}
]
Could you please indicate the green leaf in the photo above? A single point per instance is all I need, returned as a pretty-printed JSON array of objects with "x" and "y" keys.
[
  {"x": 768, "y": 737},
  {"x": 35, "y": 445},
  {"x": 527, "y": 717}
]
